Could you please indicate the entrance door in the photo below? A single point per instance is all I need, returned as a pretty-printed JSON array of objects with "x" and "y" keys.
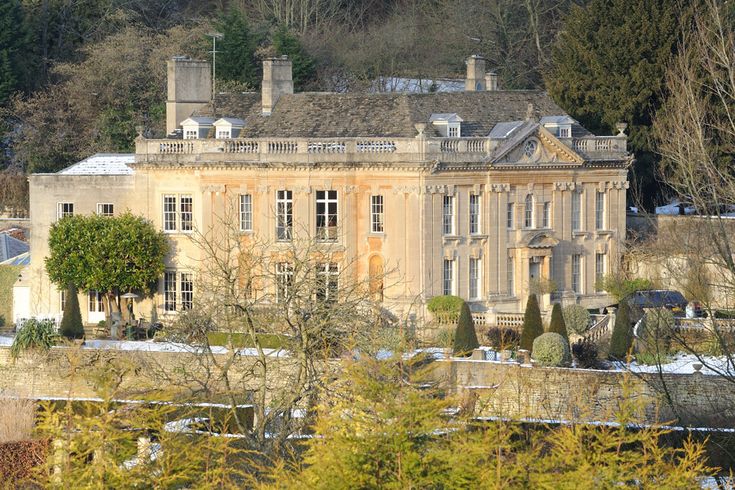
[{"x": 534, "y": 270}]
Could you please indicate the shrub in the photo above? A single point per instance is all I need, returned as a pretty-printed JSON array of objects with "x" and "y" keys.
[
  {"x": 550, "y": 349},
  {"x": 502, "y": 338},
  {"x": 34, "y": 335},
  {"x": 557, "y": 324},
  {"x": 532, "y": 326},
  {"x": 654, "y": 332},
  {"x": 445, "y": 308},
  {"x": 622, "y": 335},
  {"x": 465, "y": 338},
  {"x": 586, "y": 354},
  {"x": 71, "y": 323},
  {"x": 576, "y": 318}
]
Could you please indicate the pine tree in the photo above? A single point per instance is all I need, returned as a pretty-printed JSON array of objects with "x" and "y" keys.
[
  {"x": 465, "y": 338},
  {"x": 304, "y": 69},
  {"x": 622, "y": 335},
  {"x": 557, "y": 324},
  {"x": 71, "y": 323},
  {"x": 532, "y": 326},
  {"x": 236, "y": 50},
  {"x": 8, "y": 82},
  {"x": 15, "y": 52},
  {"x": 608, "y": 66}
]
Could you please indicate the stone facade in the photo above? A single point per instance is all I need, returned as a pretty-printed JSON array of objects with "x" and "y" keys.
[{"x": 516, "y": 192}]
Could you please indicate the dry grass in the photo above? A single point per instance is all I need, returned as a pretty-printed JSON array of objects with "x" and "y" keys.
[{"x": 16, "y": 419}]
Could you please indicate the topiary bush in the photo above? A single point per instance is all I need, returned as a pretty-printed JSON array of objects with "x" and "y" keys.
[
  {"x": 465, "y": 338},
  {"x": 445, "y": 308},
  {"x": 576, "y": 318},
  {"x": 34, "y": 335},
  {"x": 532, "y": 326},
  {"x": 655, "y": 331},
  {"x": 557, "y": 324},
  {"x": 71, "y": 322},
  {"x": 550, "y": 349},
  {"x": 622, "y": 335}
]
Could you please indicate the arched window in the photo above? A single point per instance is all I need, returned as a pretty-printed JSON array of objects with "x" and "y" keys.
[
  {"x": 375, "y": 271},
  {"x": 528, "y": 222}
]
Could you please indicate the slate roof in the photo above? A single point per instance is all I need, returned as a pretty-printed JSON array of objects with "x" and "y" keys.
[
  {"x": 102, "y": 164},
  {"x": 335, "y": 115},
  {"x": 11, "y": 247}
]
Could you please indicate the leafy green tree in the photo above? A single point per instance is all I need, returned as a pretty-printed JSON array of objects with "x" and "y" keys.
[
  {"x": 557, "y": 324},
  {"x": 465, "y": 339},
  {"x": 71, "y": 322},
  {"x": 107, "y": 254},
  {"x": 622, "y": 335},
  {"x": 236, "y": 50},
  {"x": 608, "y": 66},
  {"x": 304, "y": 66},
  {"x": 532, "y": 325}
]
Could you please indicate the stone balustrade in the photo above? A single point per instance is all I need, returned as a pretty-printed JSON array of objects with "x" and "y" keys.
[{"x": 348, "y": 150}]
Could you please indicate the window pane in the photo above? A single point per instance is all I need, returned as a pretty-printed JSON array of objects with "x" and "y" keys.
[
  {"x": 64, "y": 209},
  {"x": 448, "y": 215},
  {"x": 547, "y": 215},
  {"x": 284, "y": 281},
  {"x": 509, "y": 216},
  {"x": 376, "y": 214},
  {"x": 187, "y": 291},
  {"x": 474, "y": 214},
  {"x": 326, "y": 215},
  {"x": 187, "y": 213},
  {"x": 576, "y": 273},
  {"x": 511, "y": 277},
  {"x": 246, "y": 212},
  {"x": 169, "y": 213},
  {"x": 448, "y": 279},
  {"x": 327, "y": 282},
  {"x": 600, "y": 210},
  {"x": 576, "y": 211},
  {"x": 474, "y": 278},
  {"x": 528, "y": 221},
  {"x": 105, "y": 209},
  {"x": 284, "y": 215},
  {"x": 169, "y": 291}
]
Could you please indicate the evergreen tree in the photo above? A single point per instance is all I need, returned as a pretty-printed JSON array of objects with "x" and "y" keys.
[
  {"x": 71, "y": 323},
  {"x": 8, "y": 82},
  {"x": 465, "y": 338},
  {"x": 622, "y": 335},
  {"x": 557, "y": 324},
  {"x": 15, "y": 55},
  {"x": 236, "y": 50},
  {"x": 608, "y": 66},
  {"x": 304, "y": 68},
  {"x": 532, "y": 326}
]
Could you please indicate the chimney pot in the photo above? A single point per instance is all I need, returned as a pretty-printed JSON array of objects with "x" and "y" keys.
[
  {"x": 475, "y": 80},
  {"x": 491, "y": 81},
  {"x": 277, "y": 81}
]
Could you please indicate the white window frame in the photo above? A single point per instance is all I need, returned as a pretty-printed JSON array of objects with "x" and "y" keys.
[
  {"x": 177, "y": 213},
  {"x": 475, "y": 214},
  {"x": 565, "y": 132},
  {"x": 103, "y": 210},
  {"x": 169, "y": 213},
  {"x": 64, "y": 209},
  {"x": 453, "y": 131},
  {"x": 600, "y": 210},
  {"x": 284, "y": 280},
  {"x": 600, "y": 269},
  {"x": 576, "y": 275},
  {"x": 170, "y": 292},
  {"x": 95, "y": 302},
  {"x": 284, "y": 215},
  {"x": 528, "y": 212},
  {"x": 191, "y": 134},
  {"x": 224, "y": 134},
  {"x": 510, "y": 216},
  {"x": 475, "y": 278},
  {"x": 327, "y": 282},
  {"x": 576, "y": 211},
  {"x": 246, "y": 212},
  {"x": 62, "y": 299},
  {"x": 547, "y": 215},
  {"x": 186, "y": 213},
  {"x": 449, "y": 272},
  {"x": 448, "y": 225},
  {"x": 377, "y": 213},
  {"x": 186, "y": 283},
  {"x": 328, "y": 219}
]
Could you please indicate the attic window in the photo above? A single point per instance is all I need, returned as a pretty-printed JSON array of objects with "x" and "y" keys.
[
  {"x": 447, "y": 125},
  {"x": 190, "y": 134},
  {"x": 564, "y": 132},
  {"x": 223, "y": 134},
  {"x": 453, "y": 131}
]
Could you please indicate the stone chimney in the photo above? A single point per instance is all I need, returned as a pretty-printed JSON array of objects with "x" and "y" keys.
[
  {"x": 277, "y": 81},
  {"x": 491, "y": 80},
  {"x": 475, "y": 81},
  {"x": 189, "y": 89}
]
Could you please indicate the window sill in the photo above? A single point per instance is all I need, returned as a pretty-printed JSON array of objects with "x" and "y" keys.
[
  {"x": 478, "y": 236},
  {"x": 377, "y": 234},
  {"x": 605, "y": 232},
  {"x": 580, "y": 233},
  {"x": 452, "y": 238}
]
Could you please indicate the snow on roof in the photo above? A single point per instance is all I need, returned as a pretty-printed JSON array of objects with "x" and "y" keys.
[
  {"x": 232, "y": 121},
  {"x": 198, "y": 120},
  {"x": 102, "y": 164},
  {"x": 504, "y": 129},
  {"x": 445, "y": 117},
  {"x": 22, "y": 259},
  {"x": 557, "y": 120}
]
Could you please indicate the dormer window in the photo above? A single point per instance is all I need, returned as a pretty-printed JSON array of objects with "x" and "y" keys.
[
  {"x": 565, "y": 132},
  {"x": 559, "y": 126},
  {"x": 196, "y": 127},
  {"x": 228, "y": 127},
  {"x": 448, "y": 125}
]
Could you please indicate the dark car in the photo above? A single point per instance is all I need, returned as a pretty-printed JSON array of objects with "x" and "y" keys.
[{"x": 657, "y": 298}]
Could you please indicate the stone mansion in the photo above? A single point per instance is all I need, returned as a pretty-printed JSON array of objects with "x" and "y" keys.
[{"x": 480, "y": 193}]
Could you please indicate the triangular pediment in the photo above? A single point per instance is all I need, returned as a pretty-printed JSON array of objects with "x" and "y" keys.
[{"x": 535, "y": 145}]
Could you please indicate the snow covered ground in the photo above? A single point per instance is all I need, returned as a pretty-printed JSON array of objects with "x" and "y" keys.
[{"x": 681, "y": 364}]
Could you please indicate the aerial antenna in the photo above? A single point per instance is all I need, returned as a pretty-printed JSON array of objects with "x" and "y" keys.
[{"x": 214, "y": 36}]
